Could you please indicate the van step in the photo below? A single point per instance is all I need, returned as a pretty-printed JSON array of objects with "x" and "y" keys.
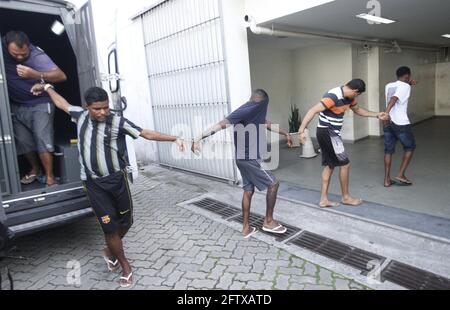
[{"x": 24, "y": 229}]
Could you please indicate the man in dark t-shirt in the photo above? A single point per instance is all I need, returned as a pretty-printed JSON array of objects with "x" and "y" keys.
[{"x": 250, "y": 122}]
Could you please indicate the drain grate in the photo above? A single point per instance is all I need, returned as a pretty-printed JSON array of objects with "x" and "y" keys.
[
  {"x": 217, "y": 207},
  {"x": 413, "y": 278},
  {"x": 357, "y": 258},
  {"x": 258, "y": 221}
]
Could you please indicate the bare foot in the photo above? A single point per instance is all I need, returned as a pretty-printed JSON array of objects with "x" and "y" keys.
[
  {"x": 328, "y": 204},
  {"x": 247, "y": 230},
  {"x": 352, "y": 201},
  {"x": 389, "y": 183},
  {"x": 271, "y": 225},
  {"x": 51, "y": 181}
]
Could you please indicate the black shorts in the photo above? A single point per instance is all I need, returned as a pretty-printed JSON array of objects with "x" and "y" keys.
[
  {"x": 110, "y": 198},
  {"x": 332, "y": 148}
]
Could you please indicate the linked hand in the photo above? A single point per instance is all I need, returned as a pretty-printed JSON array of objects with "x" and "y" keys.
[
  {"x": 383, "y": 116},
  {"x": 289, "y": 141},
  {"x": 196, "y": 148},
  {"x": 180, "y": 144},
  {"x": 26, "y": 72},
  {"x": 302, "y": 138},
  {"x": 37, "y": 89}
]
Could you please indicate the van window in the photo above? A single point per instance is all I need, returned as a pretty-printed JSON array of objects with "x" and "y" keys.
[{"x": 113, "y": 71}]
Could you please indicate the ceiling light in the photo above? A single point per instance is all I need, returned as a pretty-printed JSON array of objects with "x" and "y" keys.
[
  {"x": 376, "y": 19},
  {"x": 58, "y": 28},
  {"x": 446, "y": 36}
]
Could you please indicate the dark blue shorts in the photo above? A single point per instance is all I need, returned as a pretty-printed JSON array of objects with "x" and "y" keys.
[{"x": 394, "y": 133}]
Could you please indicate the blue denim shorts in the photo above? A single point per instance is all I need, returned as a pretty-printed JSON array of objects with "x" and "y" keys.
[{"x": 394, "y": 133}]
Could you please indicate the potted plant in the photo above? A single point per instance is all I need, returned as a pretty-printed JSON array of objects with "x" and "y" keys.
[{"x": 295, "y": 122}]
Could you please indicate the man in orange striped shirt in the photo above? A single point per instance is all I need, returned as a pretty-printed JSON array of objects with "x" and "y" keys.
[{"x": 331, "y": 110}]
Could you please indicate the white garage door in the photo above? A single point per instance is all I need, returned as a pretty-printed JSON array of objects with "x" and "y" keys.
[{"x": 187, "y": 76}]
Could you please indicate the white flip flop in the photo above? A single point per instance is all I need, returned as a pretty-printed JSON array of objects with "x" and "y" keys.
[
  {"x": 254, "y": 231},
  {"x": 128, "y": 284},
  {"x": 112, "y": 266},
  {"x": 276, "y": 229}
]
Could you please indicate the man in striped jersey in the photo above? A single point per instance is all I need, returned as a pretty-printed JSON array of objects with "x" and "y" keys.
[
  {"x": 104, "y": 163},
  {"x": 331, "y": 110}
]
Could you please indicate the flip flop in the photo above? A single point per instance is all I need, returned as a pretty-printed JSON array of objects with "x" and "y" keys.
[
  {"x": 128, "y": 282},
  {"x": 112, "y": 266},
  {"x": 254, "y": 231},
  {"x": 330, "y": 205},
  {"x": 354, "y": 205},
  {"x": 404, "y": 182},
  {"x": 28, "y": 179},
  {"x": 276, "y": 230}
]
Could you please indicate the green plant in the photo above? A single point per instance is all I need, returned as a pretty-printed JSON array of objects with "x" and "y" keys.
[{"x": 294, "y": 119}]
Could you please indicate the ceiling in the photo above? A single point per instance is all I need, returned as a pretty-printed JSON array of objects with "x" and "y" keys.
[{"x": 418, "y": 21}]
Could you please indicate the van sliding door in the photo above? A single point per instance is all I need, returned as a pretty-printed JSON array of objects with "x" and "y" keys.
[
  {"x": 9, "y": 183},
  {"x": 80, "y": 30}
]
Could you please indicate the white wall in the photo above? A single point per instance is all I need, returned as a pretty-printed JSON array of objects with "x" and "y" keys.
[
  {"x": 360, "y": 70},
  {"x": 318, "y": 69},
  {"x": 112, "y": 20},
  {"x": 423, "y": 66},
  {"x": 272, "y": 71},
  {"x": 373, "y": 90},
  {"x": 443, "y": 89},
  {"x": 236, "y": 51}
]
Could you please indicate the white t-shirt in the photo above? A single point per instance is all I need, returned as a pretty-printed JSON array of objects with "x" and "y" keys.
[{"x": 399, "y": 113}]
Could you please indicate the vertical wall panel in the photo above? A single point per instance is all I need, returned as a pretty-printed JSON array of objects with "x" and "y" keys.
[{"x": 186, "y": 65}]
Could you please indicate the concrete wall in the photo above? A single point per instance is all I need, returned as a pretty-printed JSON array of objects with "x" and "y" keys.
[
  {"x": 360, "y": 70},
  {"x": 272, "y": 70},
  {"x": 423, "y": 66},
  {"x": 443, "y": 89},
  {"x": 318, "y": 69}
]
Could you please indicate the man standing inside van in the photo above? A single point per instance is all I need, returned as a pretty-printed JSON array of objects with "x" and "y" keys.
[
  {"x": 399, "y": 127},
  {"x": 103, "y": 160},
  {"x": 32, "y": 116}
]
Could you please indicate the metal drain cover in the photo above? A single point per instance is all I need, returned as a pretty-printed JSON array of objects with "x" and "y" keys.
[
  {"x": 413, "y": 278},
  {"x": 217, "y": 207},
  {"x": 357, "y": 258}
]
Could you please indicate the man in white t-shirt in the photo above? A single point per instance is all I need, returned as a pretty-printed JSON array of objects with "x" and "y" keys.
[{"x": 399, "y": 126}]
